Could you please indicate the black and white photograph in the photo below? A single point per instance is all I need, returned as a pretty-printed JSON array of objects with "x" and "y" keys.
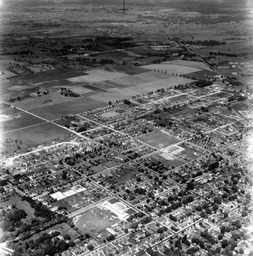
[{"x": 126, "y": 127}]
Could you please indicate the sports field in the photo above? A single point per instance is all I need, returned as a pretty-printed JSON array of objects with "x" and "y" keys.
[
  {"x": 95, "y": 220},
  {"x": 109, "y": 114},
  {"x": 159, "y": 139}
]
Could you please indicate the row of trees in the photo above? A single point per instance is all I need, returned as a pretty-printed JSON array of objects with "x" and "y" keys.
[{"x": 205, "y": 42}]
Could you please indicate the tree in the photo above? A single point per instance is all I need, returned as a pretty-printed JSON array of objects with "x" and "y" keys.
[
  {"x": 67, "y": 237},
  {"x": 110, "y": 237},
  {"x": 241, "y": 251},
  {"x": 134, "y": 225},
  {"x": 90, "y": 247},
  {"x": 244, "y": 213},
  {"x": 218, "y": 200},
  {"x": 190, "y": 185},
  {"x": 160, "y": 230},
  {"x": 220, "y": 236},
  {"x": 224, "y": 243},
  {"x": 208, "y": 211},
  {"x": 172, "y": 217},
  {"x": 215, "y": 207},
  {"x": 127, "y": 102},
  {"x": 203, "y": 214}
]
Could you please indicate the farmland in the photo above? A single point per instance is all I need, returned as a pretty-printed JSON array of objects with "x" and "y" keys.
[
  {"x": 178, "y": 67},
  {"x": 37, "y": 135}
]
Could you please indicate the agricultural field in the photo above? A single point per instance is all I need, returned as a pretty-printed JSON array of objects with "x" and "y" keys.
[
  {"x": 17, "y": 120},
  {"x": 116, "y": 56},
  {"x": 37, "y": 135},
  {"x": 240, "y": 47},
  {"x": 72, "y": 107},
  {"x": 202, "y": 74},
  {"x": 95, "y": 76},
  {"x": 178, "y": 67},
  {"x": 127, "y": 69},
  {"x": 140, "y": 89},
  {"x": 142, "y": 78}
]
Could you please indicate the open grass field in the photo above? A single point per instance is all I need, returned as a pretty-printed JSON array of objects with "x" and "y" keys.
[
  {"x": 239, "y": 48},
  {"x": 47, "y": 77},
  {"x": 36, "y": 135},
  {"x": 129, "y": 91},
  {"x": 130, "y": 80},
  {"x": 115, "y": 56},
  {"x": 72, "y": 107},
  {"x": 188, "y": 63},
  {"x": 19, "y": 120},
  {"x": 242, "y": 106},
  {"x": 164, "y": 83},
  {"x": 129, "y": 70},
  {"x": 153, "y": 76},
  {"x": 191, "y": 151},
  {"x": 141, "y": 78},
  {"x": 202, "y": 74},
  {"x": 169, "y": 160},
  {"x": 159, "y": 139},
  {"x": 172, "y": 68},
  {"x": 95, "y": 220}
]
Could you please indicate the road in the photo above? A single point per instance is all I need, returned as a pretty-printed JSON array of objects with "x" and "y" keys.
[{"x": 4, "y": 251}]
